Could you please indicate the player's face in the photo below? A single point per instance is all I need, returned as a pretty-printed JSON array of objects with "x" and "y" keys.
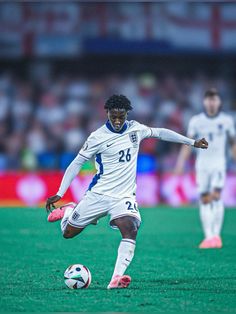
[
  {"x": 212, "y": 105},
  {"x": 117, "y": 118}
]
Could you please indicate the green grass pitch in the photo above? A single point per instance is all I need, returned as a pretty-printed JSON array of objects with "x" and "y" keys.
[{"x": 169, "y": 273}]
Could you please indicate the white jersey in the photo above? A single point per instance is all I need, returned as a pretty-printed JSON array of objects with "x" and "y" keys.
[
  {"x": 216, "y": 131},
  {"x": 116, "y": 156}
]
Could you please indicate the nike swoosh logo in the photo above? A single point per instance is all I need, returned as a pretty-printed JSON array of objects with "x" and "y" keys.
[{"x": 108, "y": 145}]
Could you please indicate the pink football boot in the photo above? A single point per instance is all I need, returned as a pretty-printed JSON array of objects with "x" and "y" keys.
[
  {"x": 58, "y": 213},
  {"x": 217, "y": 242},
  {"x": 207, "y": 244},
  {"x": 119, "y": 282}
]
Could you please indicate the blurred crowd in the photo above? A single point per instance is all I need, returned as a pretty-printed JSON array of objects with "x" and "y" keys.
[{"x": 44, "y": 123}]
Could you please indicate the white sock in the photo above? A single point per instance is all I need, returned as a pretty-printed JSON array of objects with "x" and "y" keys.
[
  {"x": 206, "y": 215},
  {"x": 218, "y": 216},
  {"x": 124, "y": 257},
  {"x": 64, "y": 220}
]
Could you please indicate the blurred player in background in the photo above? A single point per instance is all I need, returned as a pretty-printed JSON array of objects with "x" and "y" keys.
[
  {"x": 113, "y": 189},
  {"x": 218, "y": 128}
]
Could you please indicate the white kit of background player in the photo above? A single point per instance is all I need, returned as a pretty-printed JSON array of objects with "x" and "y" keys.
[
  {"x": 218, "y": 128},
  {"x": 112, "y": 191}
]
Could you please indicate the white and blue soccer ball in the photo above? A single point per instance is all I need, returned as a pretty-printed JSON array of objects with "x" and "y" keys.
[{"x": 77, "y": 276}]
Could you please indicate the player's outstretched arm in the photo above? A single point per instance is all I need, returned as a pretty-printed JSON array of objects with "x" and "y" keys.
[
  {"x": 69, "y": 175},
  {"x": 171, "y": 136}
]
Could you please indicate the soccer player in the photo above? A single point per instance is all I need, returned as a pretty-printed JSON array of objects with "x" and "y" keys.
[
  {"x": 115, "y": 146},
  {"x": 217, "y": 127}
]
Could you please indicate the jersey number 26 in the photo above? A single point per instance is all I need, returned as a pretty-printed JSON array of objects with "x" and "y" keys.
[{"x": 124, "y": 156}]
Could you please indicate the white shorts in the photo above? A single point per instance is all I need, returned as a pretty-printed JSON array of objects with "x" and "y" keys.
[
  {"x": 94, "y": 206},
  {"x": 208, "y": 180}
]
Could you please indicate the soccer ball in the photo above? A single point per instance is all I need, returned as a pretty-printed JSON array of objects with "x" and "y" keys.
[{"x": 77, "y": 276}]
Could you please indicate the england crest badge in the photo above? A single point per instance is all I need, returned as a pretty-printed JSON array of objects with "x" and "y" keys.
[{"x": 134, "y": 138}]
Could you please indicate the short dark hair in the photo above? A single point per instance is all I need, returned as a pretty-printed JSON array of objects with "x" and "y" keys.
[
  {"x": 211, "y": 92},
  {"x": 118, "y": 102}
]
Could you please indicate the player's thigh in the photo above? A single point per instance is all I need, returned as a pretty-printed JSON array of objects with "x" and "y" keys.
[
  {"x": 125, "y": 207},
  {"x": 88, "y": 211},
  {"x": 203, "y": 180},
  {"x": 206, "y": 198}
]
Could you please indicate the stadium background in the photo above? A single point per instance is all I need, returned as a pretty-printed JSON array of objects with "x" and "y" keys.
[{"x": 59, "y": 63}]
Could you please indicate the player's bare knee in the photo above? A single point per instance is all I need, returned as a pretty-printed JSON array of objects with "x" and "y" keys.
[
  {"x": 206, "y": 198},
  {"x": 67, "y": 234},
  {"x": 71, "y": 232},
  {"x": 132, "y": 232},
  {"x": 205, "y": 201},
  {"x": 131, "y": 229}
]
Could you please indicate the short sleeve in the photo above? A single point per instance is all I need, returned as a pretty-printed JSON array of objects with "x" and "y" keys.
[
  {"x": 231, "y": 128},
  {"x": 192, "y": 131},
  {"x": 90, "y": 147}
]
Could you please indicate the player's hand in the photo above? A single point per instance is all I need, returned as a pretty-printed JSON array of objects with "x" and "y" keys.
[
  {"x": 50, "y": 202},
  {"x": 202, "y": 143}
]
